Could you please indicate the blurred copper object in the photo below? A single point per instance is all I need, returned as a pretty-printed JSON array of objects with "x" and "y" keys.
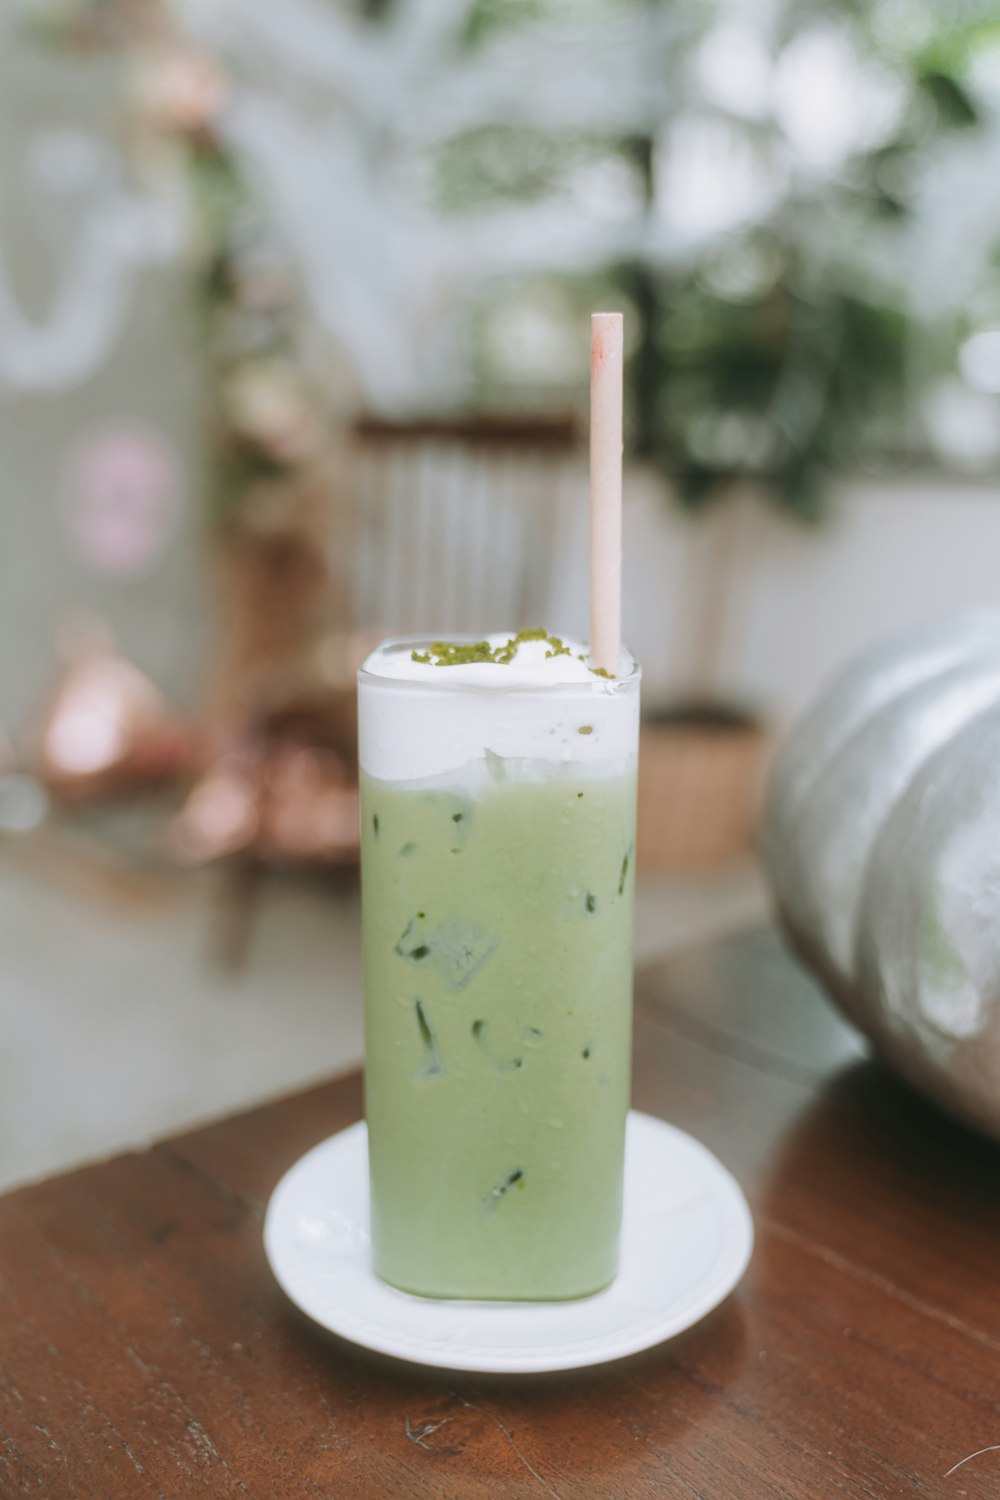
[
  {"x": 221, "y": 815},
  {"x": 284, "y": 801},
  {"x": 310, "y": 806},
  {"x": 108, "y": 727},
  {"x": 276, "y": 801}
]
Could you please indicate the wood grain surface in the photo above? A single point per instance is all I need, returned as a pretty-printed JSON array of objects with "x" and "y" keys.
[{"x": 146, "y": 1351}]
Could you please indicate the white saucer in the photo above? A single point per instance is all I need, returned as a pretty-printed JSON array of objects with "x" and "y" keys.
[{"x": 686, "y": 1240}]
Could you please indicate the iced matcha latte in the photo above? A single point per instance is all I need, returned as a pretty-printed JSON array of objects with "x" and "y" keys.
[{"x": 498, "y": 828}]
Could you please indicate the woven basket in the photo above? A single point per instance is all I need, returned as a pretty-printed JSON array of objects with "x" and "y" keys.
[{"x": 699, "y": 791}]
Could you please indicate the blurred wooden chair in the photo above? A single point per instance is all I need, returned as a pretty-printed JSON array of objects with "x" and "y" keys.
[
  {"x": 419, "y": 528},
  {"x": 454, "y": 526}
]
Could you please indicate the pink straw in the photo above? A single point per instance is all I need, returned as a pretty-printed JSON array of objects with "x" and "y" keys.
[{"x": 606, "y": 490}]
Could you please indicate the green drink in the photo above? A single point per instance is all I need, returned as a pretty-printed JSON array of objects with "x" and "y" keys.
[{"x": 497, "y": 896}]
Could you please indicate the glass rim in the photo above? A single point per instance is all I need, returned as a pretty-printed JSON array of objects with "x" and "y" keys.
[{"x": 604, "y": 686}]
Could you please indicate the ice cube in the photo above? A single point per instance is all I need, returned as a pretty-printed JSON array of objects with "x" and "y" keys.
[
  {"x": 414, "y": 944},
  {"x": 460, "y": 952},
  {"x": 480, "y": 1031},
  {"x": 433, "y": 1067},
  {"x": 501, "y": 1188}
]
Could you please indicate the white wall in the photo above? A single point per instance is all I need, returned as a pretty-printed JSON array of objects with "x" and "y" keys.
[
  {"x": 803, "y": 598},
  {"x": 892, "y": 553},
  {"x": 151, "y": 382}
]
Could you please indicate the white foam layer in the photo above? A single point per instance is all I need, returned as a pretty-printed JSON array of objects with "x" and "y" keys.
[
  {"x": 534, "y": 665},
  {"x": 419, "y": 720}
]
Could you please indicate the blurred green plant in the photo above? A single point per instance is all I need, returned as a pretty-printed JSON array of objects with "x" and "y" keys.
[
  {"x": 773, "y": 332},
  {"x": 778, "y": 387},
  {"x": 780, "y": 347}
]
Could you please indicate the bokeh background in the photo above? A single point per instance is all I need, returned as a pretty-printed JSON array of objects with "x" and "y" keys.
[{"x": 294, "y": 320}]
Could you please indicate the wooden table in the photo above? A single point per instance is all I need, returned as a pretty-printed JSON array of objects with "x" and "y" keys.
[{"x": 146, "y": 1351}]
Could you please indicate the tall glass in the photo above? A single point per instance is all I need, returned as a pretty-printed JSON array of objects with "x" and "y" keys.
[{"x": 498, "y": 835}]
